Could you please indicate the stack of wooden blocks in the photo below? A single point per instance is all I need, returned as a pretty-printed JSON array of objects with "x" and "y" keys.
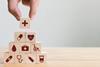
[{"x": 24, "y": 49}]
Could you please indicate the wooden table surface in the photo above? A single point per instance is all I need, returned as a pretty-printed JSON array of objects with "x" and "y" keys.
[{"x": 67, "y": 57}]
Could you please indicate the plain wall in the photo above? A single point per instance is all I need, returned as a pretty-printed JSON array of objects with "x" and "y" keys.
[{"x": 66, "y": 23}]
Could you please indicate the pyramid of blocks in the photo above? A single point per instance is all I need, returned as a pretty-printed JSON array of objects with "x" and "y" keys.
[{"x": 24, "y": 49}]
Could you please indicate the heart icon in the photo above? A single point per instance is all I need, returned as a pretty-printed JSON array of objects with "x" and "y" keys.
[{"x": 30, "y": 37}]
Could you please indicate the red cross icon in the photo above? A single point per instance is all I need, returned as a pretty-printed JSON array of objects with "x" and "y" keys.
[{"x": 25, "y": 23}]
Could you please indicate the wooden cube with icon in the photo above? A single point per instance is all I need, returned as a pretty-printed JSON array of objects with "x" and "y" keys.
[
  {"x": 19, "y": 58},
  {"x": 35, "y": 48},
  {"x": 25, "y": 23},
  {"x": 31, "y": 37},
  {"x": 30, "y": 58},
  {"x": 24, "y": 47},
  {"x": 9, "y": 58},
  {"x": 14, "y": 47},
  {"x": 20, "y": 36},
  {"x": 41, "y": 58}
]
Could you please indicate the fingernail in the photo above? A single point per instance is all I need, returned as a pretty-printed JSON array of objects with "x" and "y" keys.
[
  {"x": 31, "y": 18},
  {"x": 18, "y": 18}
]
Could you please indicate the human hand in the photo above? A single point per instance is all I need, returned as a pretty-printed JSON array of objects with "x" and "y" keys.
[{"x": 15, "y": 11}]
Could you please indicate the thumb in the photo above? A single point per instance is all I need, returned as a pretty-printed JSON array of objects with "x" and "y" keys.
[
  {"x": 17, "y": 13},
  {"x": 13, "y": 9}
]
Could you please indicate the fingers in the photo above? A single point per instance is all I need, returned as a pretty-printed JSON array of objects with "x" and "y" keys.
[
  {"x": 13, "y": 8},
  {"x": 33, "y": 7}
]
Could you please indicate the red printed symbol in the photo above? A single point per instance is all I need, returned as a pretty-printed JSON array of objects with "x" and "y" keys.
[
  {"x": 13, "y": 48},
  {"x": 30, "y": 58},
  {"x": 9, "y": 58},
  {"x": 35, "y": 48},
  {"x": 25, "y": 48},
  {"x": 19, "y": 57},
  {"x": 19, "y": 37},
  {"x": 30, "y": 37},
  {"x": 25, "y": 23},
  {"x": 41, "y": 58}
]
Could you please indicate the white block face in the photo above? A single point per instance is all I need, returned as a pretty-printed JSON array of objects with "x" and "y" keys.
[
  {"x": 24, "y": 23},
  {"x": 30, "y": 59},
  {"x": 14, "y": 47},
  {"x": 24, "y": 47},
  {"x": 31, "y": 37},
  {"x": 8, "y": 58},
  {"x": 36, "y": 48},
  {"x": 41, "y": 58},
  {"x": 20, "y": 36},
  {"x": 19, "y": 58}
]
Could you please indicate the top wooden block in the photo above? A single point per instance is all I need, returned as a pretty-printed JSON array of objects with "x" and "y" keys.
[{"x": 25, "y": 23}]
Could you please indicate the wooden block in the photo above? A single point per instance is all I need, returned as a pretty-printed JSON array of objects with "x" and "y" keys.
[
  {"x": 24, "y": 23},
  {"x": 41, "y": 58},
  {"x": 31, "y": 37},
  {"x": 20, "y": 36},
  {"x": 8, "y": 58},
  {"x": 19, "y": 58},
  {"x": 36, "y": 48},
  {"x": 30, "y": 59},
  {"x": 24, "y": 47},
  {"x": 14, "y": 47}
]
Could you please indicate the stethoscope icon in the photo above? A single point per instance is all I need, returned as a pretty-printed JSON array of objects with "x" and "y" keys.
[{"x": 19, "y": 57}]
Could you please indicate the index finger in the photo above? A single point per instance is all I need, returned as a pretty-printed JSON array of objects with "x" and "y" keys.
[{"x": 33, "y": 7}]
